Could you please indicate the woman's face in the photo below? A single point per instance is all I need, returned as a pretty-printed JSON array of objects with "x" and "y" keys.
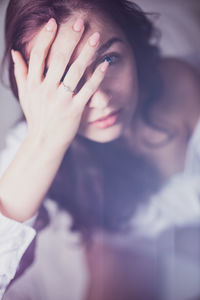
[{"x": 111, "y": 108}]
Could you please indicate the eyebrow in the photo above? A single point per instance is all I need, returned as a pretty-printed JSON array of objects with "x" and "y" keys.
[{"x": 108, "y": 44}]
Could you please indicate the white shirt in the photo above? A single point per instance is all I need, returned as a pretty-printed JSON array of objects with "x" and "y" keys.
[{"x": 176, "y": 204}]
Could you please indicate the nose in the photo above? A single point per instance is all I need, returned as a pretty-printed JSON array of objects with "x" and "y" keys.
[{"x": 99, "y": 100}]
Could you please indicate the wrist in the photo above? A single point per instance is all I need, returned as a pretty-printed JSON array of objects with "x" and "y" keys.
[{"x": 46, "y": 145}]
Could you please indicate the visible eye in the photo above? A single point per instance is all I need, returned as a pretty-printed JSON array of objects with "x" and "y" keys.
[{"x": 111, "y": 58}]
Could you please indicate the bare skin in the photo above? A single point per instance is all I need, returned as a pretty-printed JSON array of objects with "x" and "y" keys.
[
  {"x": 178, "y": 110},
  {"x": 53, "y": 117}
]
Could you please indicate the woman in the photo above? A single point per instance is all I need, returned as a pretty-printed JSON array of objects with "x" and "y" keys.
[{"x": 105, "y": 125}]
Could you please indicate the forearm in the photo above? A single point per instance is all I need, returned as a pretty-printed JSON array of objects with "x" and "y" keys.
[{"x": 28, "y": 178}]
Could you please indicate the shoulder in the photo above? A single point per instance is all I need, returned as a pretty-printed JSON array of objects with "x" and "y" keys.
[
  {"x": 177, "y": 111},
  {"x": 181, "y": 90},
  {"x": 179, "y": 75}
]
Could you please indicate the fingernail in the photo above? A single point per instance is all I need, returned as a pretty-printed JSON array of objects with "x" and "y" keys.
[
  {"x": 50, "y": 25},
  {"x": 94, "y": 39},
  {"x": 78, "y": 26},
  {"x": 13, "y": 55},
  {"x": 105, "y": 66}
]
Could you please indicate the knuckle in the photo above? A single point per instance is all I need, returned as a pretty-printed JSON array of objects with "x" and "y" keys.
[
  {"x": 46, "y": 88},
  {"x": 32, "y": 83}
]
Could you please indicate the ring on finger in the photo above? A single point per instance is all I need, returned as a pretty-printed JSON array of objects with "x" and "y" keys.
[{"x": 67, "y": 88}]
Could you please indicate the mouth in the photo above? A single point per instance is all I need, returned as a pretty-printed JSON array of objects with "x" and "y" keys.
[{"x": 106, "y": 121}]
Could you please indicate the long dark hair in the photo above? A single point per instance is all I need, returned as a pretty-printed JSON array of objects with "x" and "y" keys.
[{"x": 99, "y": 184}]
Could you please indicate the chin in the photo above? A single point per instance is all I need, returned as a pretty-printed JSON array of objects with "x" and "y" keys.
[{"x": 103, "y": 135}]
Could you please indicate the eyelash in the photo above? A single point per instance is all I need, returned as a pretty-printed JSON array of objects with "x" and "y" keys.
[{"x": 109, "y": 58}]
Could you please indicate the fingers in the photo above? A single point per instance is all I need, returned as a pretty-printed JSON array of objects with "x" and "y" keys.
[
  {"x": 42, "y": 42},
  {"x": 78, "y": 68},
  {"x": 20, "y": 70},
  {"x": 68, "y": 35},
  {"x": 91, "y": 85}
]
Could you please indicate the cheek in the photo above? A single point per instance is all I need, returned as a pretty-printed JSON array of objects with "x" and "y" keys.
[{"x": 123, "y": 82}]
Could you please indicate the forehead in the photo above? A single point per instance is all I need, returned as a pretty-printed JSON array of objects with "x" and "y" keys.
[{"x": 94, "y": 22}]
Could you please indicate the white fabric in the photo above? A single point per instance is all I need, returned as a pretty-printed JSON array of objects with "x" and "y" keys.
[
  {"x": 59, "y": 270},
  {"x": 14, "y": 240},
  {"x": 176, "y": 204}
]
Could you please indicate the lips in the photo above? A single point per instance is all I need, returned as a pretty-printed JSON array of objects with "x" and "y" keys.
[
  {"x": 106, "y": 121},
  {"x": 106, "y": 117}
]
